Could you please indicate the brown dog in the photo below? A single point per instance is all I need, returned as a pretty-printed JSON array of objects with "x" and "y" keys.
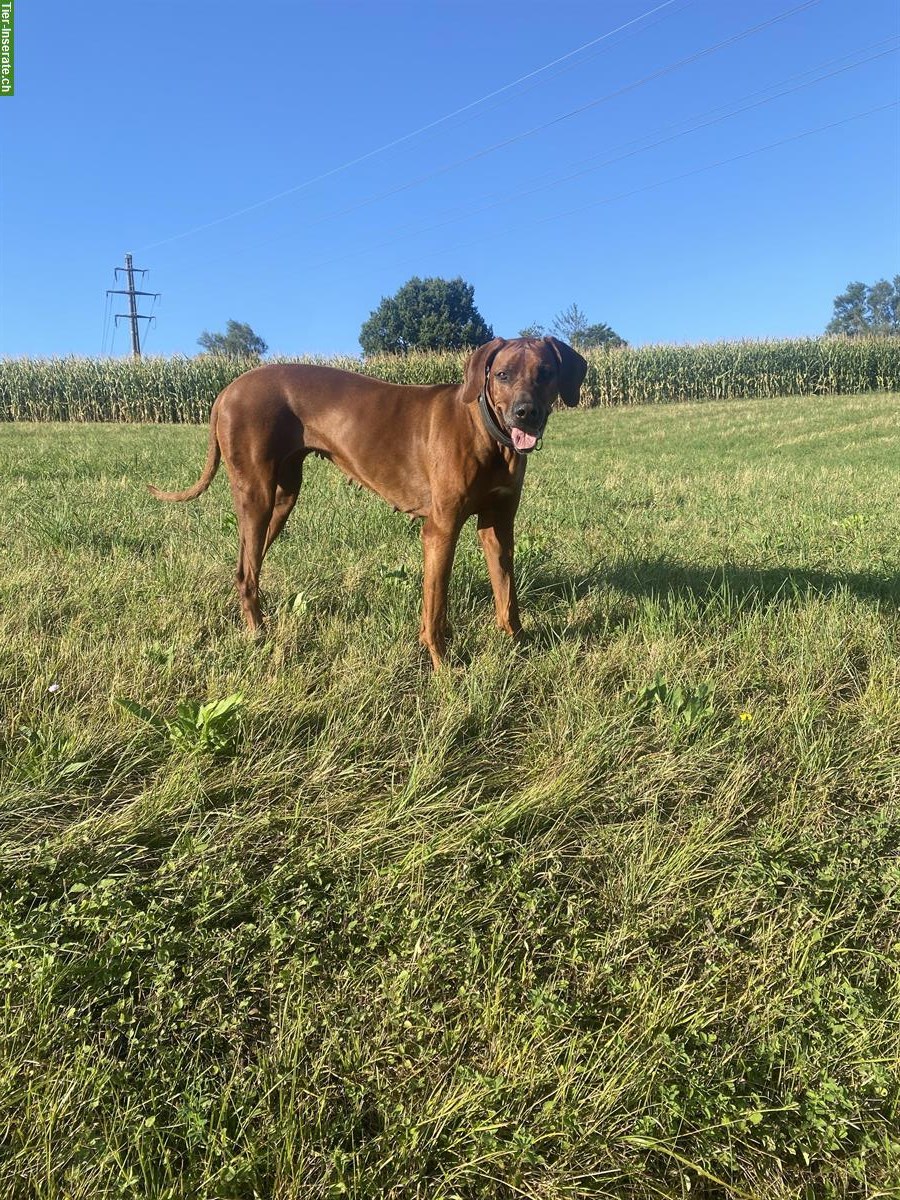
[{"x": 443, "y": 453}]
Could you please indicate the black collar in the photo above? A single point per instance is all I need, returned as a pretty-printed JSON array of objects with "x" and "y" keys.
[{"x": 491, "y": 425}]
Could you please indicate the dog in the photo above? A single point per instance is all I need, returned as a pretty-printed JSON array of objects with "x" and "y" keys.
[{"x": 442, "y": 453}]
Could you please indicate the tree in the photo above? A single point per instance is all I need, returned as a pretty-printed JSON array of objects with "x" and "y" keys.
[
  {"x": 534, "y": 331},
  {"x": 571, "y": 324},
  {"x": 425, "y": 314},
  {"x": 238, "y": 341},
  {"x": 867, "y": 309},
  {"x": 599, "y": 335}
]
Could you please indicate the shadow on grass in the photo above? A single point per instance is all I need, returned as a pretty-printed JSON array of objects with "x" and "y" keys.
[
  {"x": 755, "y": 586},
  {"x": 55, "y": 532},
  {"x": 727, "y": 587},
  {"x": 106, "y": 543},
  {"x": 748, "y": 586}
]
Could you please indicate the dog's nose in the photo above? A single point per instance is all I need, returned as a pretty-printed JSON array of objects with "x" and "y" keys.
[{"x": 523, "y": 411}]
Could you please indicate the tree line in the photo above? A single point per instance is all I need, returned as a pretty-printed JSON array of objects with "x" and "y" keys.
[
  {"x": 425, "y": 314},
  {"x": 441, "y": 314}
]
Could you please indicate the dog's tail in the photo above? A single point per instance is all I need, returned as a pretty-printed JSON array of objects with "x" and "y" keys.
[{"x": 213, "y": 458}]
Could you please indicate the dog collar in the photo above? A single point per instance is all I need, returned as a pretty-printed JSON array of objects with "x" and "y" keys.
[{"x": 491, "y": 425}]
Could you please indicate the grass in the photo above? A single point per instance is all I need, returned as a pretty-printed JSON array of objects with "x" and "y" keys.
[{"x": 616, "y": 913}]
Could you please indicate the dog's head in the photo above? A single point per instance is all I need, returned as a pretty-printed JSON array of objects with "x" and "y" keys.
[{"x": 521, "y": 379}]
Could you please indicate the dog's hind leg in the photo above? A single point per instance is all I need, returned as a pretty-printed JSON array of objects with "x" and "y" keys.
[
  {"x": 290, "y": 476},
  {"x": 254, "y": 503}
]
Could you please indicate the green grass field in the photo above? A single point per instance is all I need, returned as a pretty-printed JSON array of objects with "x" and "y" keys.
[{"x": 612, "y": 913}]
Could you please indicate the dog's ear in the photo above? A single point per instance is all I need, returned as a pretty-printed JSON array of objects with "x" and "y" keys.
[
  {"x": 477, "y": 366},
  {"x": 572, "y": 370}
]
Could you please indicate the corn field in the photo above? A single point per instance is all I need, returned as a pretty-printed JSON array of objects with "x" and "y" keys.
[{"x": 182, "y": 389}]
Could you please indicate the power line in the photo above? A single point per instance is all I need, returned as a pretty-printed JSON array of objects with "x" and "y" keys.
[
  {"x": 106, "y": 312},
  {"x": 729, "y": 112},
  {"x": 678, "y": 178},
  {"x": 151, "y": 319},
  {"x": 406, "y": 137},
  {"x": 591, "y": 104},
  {"x": 722, "y": 162},
  {"x": 555, "y": 180},
  {"x": 572, "y": 66}
]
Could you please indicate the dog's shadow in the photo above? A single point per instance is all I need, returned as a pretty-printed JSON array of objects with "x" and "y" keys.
[{"x": 727, "y": 587}]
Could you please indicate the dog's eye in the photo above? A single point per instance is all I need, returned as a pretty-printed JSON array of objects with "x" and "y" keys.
[{"x": 501, "y": 375}]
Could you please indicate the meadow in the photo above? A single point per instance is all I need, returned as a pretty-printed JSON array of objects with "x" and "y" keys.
[{"x": 611, "y": 913}]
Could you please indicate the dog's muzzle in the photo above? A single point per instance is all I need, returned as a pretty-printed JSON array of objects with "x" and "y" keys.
[{"x": 520, "y": 440}]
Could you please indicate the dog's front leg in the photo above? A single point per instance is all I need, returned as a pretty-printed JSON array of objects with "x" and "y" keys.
[
  {"x": 439, "y": 539},
  {"x": 495, "y": 532}
]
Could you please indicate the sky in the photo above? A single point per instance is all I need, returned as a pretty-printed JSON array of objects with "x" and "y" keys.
[{"x": 683, "y": 171}]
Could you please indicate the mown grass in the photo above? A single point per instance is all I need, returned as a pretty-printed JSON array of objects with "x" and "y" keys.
[{"x": 616, "y": 913}]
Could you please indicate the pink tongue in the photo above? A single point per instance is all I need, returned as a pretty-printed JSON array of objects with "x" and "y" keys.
[{"x": 522, "y": 440}]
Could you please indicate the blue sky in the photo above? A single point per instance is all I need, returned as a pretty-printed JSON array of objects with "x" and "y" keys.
[{"x": 620, "y": 178}]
